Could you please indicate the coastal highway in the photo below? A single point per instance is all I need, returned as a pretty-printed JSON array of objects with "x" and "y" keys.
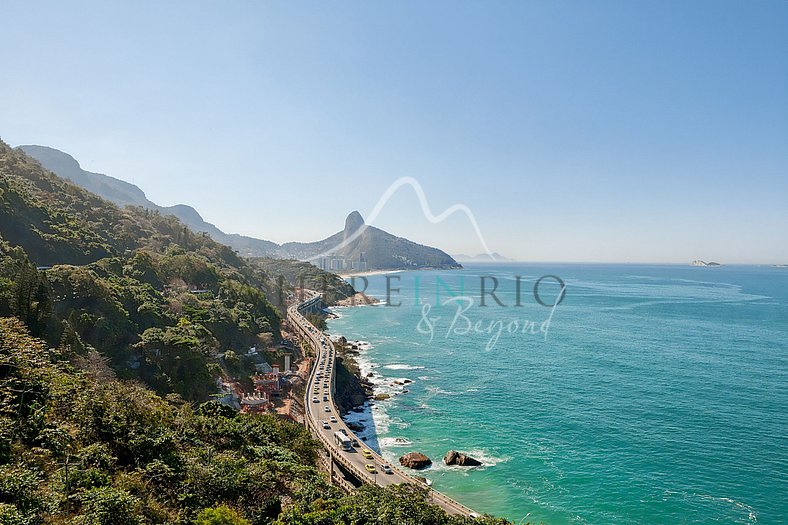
[{"x": 323, "y": 419}]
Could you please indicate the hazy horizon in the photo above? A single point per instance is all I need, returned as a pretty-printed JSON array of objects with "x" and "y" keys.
[{"x": 610, "y": 133}]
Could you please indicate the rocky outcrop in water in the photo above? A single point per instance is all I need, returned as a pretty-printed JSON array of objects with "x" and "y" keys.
[
  {"x": 453, "y": 457},
  {"x": 415, "y": 460}
]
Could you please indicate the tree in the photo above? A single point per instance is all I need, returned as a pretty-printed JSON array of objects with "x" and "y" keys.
[
  {"x": 108, "y": 506},
  {"x": 221, "y": 515}
]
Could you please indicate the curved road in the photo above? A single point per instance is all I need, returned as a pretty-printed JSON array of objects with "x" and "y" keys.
[{"x": 322, "y": 418}]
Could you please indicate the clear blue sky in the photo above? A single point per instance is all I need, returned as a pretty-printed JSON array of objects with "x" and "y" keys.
[{"x": 576, "y": 131}]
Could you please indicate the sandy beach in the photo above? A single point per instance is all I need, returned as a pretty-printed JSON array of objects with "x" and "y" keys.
[{"x": 368, "y": 273}]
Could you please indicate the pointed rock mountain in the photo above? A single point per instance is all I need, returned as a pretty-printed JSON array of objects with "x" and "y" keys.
[{"x": 353, "y": 222}]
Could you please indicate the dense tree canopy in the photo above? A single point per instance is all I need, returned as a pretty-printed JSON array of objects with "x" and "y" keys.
[
  {"x": 81, "y": 447},
  {"x": 156, "y": 298}
]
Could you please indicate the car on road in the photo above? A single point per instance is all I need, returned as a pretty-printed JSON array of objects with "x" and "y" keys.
[
  {"x": 326, "y": 425},
  {"x": 326, "y": 408},
  {"x": 332, "y": 419},
  {"x": 355, "y": 443},
  {"x": 325, "y": 398},
  {"x": 366, "y": 453},
  {"x": 314, "y": 400},
  {"x": 370, "y": 468},
  {"x": 386, "y": 468}
]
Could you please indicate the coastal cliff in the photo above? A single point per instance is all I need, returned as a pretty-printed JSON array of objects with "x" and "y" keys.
[{"x": 351, "y": 389}]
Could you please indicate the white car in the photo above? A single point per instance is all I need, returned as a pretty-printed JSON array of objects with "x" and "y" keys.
[
  {"x": 326, "y": 408},
  {"x": 315, "y": 400},
  {"x": 386, "y": 469},
  {"x": 326, "y": 425},
  {"x": 332, "y": 419}
]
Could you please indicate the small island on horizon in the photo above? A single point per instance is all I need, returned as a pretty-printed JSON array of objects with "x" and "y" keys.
[{"x": 710, "y": 264}]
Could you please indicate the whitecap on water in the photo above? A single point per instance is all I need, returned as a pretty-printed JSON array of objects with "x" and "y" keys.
[
  {"x": 395, "y": 442},
  {"x": 485, "y": 457},
  {"x": 439, "y": 391},
  {"x": 727, "y": 508},
  {"x": 401, "y": 366}
]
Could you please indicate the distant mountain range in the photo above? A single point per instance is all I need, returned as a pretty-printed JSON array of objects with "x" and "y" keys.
[
  {"x": 381, "y": 250},
  {"x": 123, "y": 193},
  {"x": 482, "y": 257}
]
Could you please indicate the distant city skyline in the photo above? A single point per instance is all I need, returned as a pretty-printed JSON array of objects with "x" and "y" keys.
[{"x": 605, "y": 132}]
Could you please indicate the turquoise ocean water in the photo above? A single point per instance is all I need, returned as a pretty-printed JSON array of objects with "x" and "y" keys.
[{"x": 659, "y": 394}]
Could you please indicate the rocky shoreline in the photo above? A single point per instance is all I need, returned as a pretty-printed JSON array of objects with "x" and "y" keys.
[
  {"x": 352, "y": 391},
  {"x": 357, "y": 299},
  {"x": 355, "y": 393}
]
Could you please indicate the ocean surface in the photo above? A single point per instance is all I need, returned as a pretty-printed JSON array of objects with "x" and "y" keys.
[{"x": 648, "y": 395}]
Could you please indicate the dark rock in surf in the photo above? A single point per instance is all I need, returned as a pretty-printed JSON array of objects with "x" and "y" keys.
[
  {"x": 453, "y": 457},
  {"x": 415, "y": 460}
]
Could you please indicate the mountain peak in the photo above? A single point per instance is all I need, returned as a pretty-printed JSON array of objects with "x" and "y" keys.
[
  {"x": 353, "y": 222},
  {"x": 53, "y": 155}
]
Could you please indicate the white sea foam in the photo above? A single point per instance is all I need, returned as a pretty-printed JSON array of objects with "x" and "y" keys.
[
  {"x": 400, "y": 366},
  {"x": 434, "y": 390},
  {"x": 719, "y": 503},
  {"x": 487, "y": 459},
  {"x": 403, "y": 380},
  {"x": 684, "y": 290},
  {"x": 388, "y": 442}
]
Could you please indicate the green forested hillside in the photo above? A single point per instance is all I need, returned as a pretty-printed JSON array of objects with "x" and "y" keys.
[
  {"x": 80, "y": 447},
  {"x": 139, "y": 287},
  {"x": 123, "y": 193},
  {"x": 298, "y": 275}
]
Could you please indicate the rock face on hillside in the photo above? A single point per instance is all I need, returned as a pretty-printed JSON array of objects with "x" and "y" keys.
[
  {"x": 453, "y": 457},
  {"x": 350, "y": 390},
  {"x": 415, "y": 460},
  {"x": 353, "y": 222}
]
